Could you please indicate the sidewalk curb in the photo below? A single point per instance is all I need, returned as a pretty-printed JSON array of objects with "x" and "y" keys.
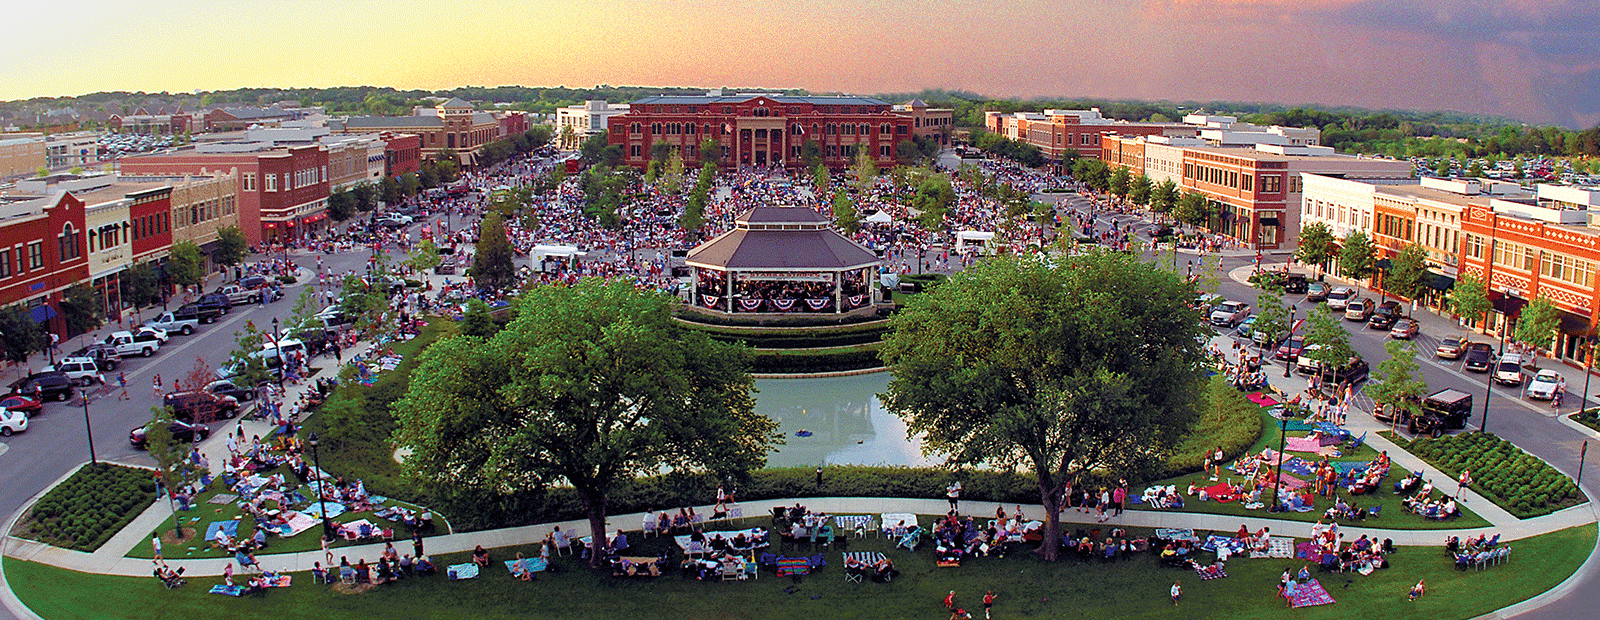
[{"x": 8, "y": 598}]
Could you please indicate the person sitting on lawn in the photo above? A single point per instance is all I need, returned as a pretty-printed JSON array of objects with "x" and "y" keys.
[
  {"x": 1418, "y": 590},
  {"x": 884, "y": 570},
  {"x": 425, "y": 566},
  {"x": 480, "y": 556},
  {"x": 519, "y": 569}
]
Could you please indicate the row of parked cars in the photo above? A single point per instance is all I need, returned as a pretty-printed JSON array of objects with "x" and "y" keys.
[{"x": 1510, "y": 370}]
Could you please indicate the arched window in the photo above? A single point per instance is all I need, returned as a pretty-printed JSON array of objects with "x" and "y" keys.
[{"x": 68, "y": 243}]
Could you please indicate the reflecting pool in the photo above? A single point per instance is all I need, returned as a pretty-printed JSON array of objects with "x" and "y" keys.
[{"x": 847, "y": 424}]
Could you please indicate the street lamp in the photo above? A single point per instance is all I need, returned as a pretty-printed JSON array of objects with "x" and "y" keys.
[
  {"x": 1277, "y": 476},
  {"x": 327, "y": 526},
  {"x": 1488, "y": 389},
  {"x": 87, "y": 427},
  {"x": 283, "y": 362},
  {"x": 1288, "y": 360}
]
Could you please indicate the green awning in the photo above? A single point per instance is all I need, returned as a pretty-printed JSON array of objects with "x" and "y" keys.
[
  {"x": 1438, "y": 281},
  {"x": 1383, "y": 263}
]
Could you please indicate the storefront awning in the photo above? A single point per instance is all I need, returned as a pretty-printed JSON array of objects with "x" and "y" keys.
[
  {"x": 1438, "y": 281},
  {"x": 41, "y": 314},
  {"x": 1507, "y": 304},
  {"x": 1574, "y": 324},
  {"x": 1269, "y": 221}
]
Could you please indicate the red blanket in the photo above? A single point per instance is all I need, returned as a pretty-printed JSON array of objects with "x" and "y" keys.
[{"x": 1221, "y": 492}]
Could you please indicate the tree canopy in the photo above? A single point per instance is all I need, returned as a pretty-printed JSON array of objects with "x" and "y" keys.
[
  {"x": 1469, "y": 298},
  {"x": 187, "y": 264},
  {"x": 231, "y": 246},
  {"x": 1332, "y": 342},
  {"x": 1078, "y": 364},
  {"x": 1316, "y": 244},
  {"x": 1406, "y": 271},
  {"x": 589, "y": 385},
  {"x": 1398, "y": 385},
  {"x": 1536, "y": 325},
  {"x": 491, "y": 265},
  {"x": 1356, "y": 258}
]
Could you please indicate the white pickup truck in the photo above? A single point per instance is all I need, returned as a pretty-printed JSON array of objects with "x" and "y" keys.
[
  {"x": 170, "y": 323},
  {"x": 126, "y": 345},
  {"x": 239, "y": 295}
]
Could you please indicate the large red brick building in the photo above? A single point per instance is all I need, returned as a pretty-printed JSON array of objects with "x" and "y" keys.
[
  {"x": 1066, "y": 134},
  {"x": 283, "y": 191},
  {"x": 42, "y": 253},
  {"x": 761, "y": 129}
]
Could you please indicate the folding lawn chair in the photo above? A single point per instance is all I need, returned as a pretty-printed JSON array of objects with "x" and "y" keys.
[{"x": 751, "y": 570}]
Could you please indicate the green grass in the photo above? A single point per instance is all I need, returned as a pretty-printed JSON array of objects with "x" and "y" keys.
[
  {"x": 85, "y": 510},
  {"x": 1028, "y": 588},
  {"x": 204, "y": 513},
  {"x": 1393, "y": 515}
]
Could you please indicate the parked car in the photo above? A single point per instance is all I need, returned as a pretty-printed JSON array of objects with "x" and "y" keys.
[
  {"x": 18, "y": 402},
  {"x": 46, "y": 385},
  {"x": 1358, "y": 310},
  {"x": 203, "y": 314},
  {"x": 238, "y": 295},
  {"x": 104, "y": 355},
  {"x": 1509, "y": 370},
  {"x": 1229, "y": 313},
  {"x": 1340, "y": 297},
  {"x": 218, "y": 303},
  {"x": 253, "y": 282},
  {"x": 1354, "y": 371},
  {"x": 182, "y": 431},
  {"x": 1445, "y": 409},
  {"x": 1295, "y": 283},
  {"x": 447, "y": 265},
  {"x": 170, "y": 323},
  {"x": 126, "y": 345},
  {"x": 1405, "y": 329},
  {"x": 81, "y": 370},
  {"x": 12, "y": 422},
  {"x": 1291, "y": 348},
  {"x": 1246, "y": 327},
  {"x": 228, "y": 388},
  {"x": 1480, "y": 355},
  {"x": 147, "y": 333},
  {"x": 1386, "y": 315},
  {"x": 200, "y": 405},
  {"x": 1451, "y": 348},
  {"x": 1543, "y": 385},
  {"x": 1316, "y": 291}
]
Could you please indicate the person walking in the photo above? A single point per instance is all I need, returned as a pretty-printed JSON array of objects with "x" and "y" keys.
[
  {"x": 1177, "y": 592},
  {"x": 155, "y": 386},
  {"x": 988, "y": 602},
  {"x": 1462, "y": 484},
  {"x": 953, "y": 493},
  {"x": 155, "y": 543},
  {"x": 122, "y": 382}
]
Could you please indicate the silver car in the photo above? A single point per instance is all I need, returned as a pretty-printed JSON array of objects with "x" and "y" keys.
[{"x": 1544, "y": 385}]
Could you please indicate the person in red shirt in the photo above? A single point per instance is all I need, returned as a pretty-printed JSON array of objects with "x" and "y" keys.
[{"x": 988, "y": 601}]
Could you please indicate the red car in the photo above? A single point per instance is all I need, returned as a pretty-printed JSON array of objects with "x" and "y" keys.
[
  {"x": 17, "y": 402},
  {"x": 1291, "y": 348}
]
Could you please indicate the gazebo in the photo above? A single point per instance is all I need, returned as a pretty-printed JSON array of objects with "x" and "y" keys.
[{"x": 782, "y": 260}]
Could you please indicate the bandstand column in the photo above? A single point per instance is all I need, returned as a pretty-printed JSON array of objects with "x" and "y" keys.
[
  {"x": 838, "y": 292},
  {"x": 727, "y": 283}
]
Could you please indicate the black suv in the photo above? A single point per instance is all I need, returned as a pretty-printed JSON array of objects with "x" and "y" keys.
[
  {"x": 215, "y": 302},
  {"x": 191, "y": 406},
  {"x": 1385, "y": 316},
  {"x": 181, "y": 431},
  {"x": 1354, "y": 372},
  {"x": 1480, "y": 355},
  {"x": 104, "y": 355},
  {"x": 48, "y": 386}
]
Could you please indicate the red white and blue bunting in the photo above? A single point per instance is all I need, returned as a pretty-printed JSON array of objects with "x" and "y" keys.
[
  {"x": 749, "y": 304},
  {"x": 783, "y": 304},
  {"x": 710, "y": 301},
  {"x": 817, "y": 304}
]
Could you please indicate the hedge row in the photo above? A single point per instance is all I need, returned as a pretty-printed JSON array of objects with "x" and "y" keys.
[
  {"x": 1227, "y": 419},
  {"x": 1519, "y": 482},
  {"x": 875, "y": 325},
  {"x": 91, "y": 506},
  {"x": 804, "y": 342},
  {"x": 798, "y": 320},
  {"x": 814, "y": 360}
]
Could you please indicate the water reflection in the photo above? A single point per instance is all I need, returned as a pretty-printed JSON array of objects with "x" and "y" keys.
[{"x": 847, "y": 424}]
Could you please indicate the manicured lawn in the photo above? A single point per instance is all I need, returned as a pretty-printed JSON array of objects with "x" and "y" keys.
[
  {"x": 204, "y": 513},
  {"x": 1132, "y": 588},
  {"x": 1393, "y": 515}
]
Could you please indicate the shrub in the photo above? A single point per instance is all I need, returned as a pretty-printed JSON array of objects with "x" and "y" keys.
[
  {"x": 1523, "y": 485},
  {"x": 1227, "y": 419},
  {"x": 84, "y": 511}
]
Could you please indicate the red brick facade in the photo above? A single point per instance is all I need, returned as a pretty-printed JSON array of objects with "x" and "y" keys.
[
  {"x": 1521, "y": 259},
  {"x": 761, "y": 129},
  {"x": 281, "y": 191},
  {"x": 402, "y": 153},
  {"x": 43, "y": 251}
]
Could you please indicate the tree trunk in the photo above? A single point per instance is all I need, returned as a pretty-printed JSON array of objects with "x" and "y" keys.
[
  {"x": 1050, "y": 546},
  {"x": 596, "y": 505}
]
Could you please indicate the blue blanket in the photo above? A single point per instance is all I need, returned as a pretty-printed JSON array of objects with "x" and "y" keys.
[
  {"x": 228, "y": 590},
  {"x": 230, "y": 527},
  {"x": 334, "y": 509},
  {"x": 1346, "y": 467},
  {"x": 533, "y": 565},
  {"x": 1297, "y": 466},
  {"x": 1235, "y": 547}
]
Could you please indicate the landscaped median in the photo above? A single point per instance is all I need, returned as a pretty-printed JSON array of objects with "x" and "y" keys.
[
  {"x": 1135, "y": 587},
  {"x": 89, "y": 507},
  {"x": 1519, "y": 482}
]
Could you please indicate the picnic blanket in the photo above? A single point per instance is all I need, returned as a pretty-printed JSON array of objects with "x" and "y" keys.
[
  {"x": 1310, "y": 594},
  {"x": 334, "y": 509},
  {"x": 793, "y": 566},
  {"x": 354, "y": 527},
  {"x": 1345, "y": 467},
  {"x": 462, "y": 571},
  {"x": 850, "y": 522},
  {"x": 227, "y": 590},
  {"x": 750, "y": 535},
  {"x": 278, "y": 580},
  {"x": 533, "y": 565},
  {"x": 865, "y": 557},
  {"x": 1261, "y": 399},
  {"x": 1214, "y": 571},
  {"x": 300, "y": 522},
  {"x": 1288, "y": 481},
  {"x": 1297, "y": 466},
  {"x": 222, "y": 498},
  {"x": 229, "y": 527},
  {"x": 891, "y": 519},
  {"x": 1280, "y": 548},
  {"x": 1168, "y": 533},
  {"x": 1221, "y": 492},
  {"x": 1213, "y": 542},
  {"x": 1303, "y": 444}
]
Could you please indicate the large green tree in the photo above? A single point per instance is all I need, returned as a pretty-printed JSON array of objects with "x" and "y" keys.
[
  {"x": 1536, "y": 324},
  {"x": 1331, "y": 341},
  {"x": 173, "y": 466},
  {"x": 865, "y": 168},
  {"x": 1406, "y": 272},
  {"x": 19, "y": 334},
  {"x": 1164, "y": 197},
  {"x": 1272, "y": 318},
  {"x": 186, "y": 266},
  {"x": 672, "y": 173},
  {"x": 1139, "y": 192},
  {"x": 1076, "y": 365},
  {"x": 231, "y": 246},
  {"x": 1356, "y": 258},
  {"x": 1398, "y": 386},
  {"x": 82, "y": 308},
  {"x": 1193, "y": 209},
  {"x": 1469, "y": 298},
  {"x": 1121, "y": 182},
  {"x": 491, "y": 265},
  {"x": 844, "y": 212},
  {"x": 1093, "y": 173},
  {"x": 590, "y": 385},
  {"x": 1316, "y": 245}
]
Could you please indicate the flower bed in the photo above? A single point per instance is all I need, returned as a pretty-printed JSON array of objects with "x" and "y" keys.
[
  {"x": 1519, "y": 482},
  {"x": 91, "y": 506}
]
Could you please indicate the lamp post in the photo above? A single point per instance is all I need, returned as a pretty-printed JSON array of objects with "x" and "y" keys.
[
  {"x": 1277, "y": 476},
  {"x": 327, "y": 526},
  {"x": 1488, "y": 381},
  {"x": 283, "y": 362},
  {"x": 1588, "y": 369},
  {"x": 1288, "y": 360},
  {"x": 87, "y": 427}
]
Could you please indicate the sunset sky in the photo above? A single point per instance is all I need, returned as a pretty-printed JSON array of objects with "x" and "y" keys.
[{"x": 1534, "y": 60}]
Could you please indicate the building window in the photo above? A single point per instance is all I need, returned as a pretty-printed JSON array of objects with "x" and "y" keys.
[
  {"x": 883, "y": 151},
  {"x": 68, "y": 241},
  {"x": 36, "y": 255},
  {"x": 1271, "y": 183},
  {"x": 5, "y": 263},
  {"x": 249, "y": 181},
  {"x": 633, "y": 151},
  {"x": 900, "y": 129},
  {"x": 272, "y": 182},
  {"x": 1249, "y": 182}
]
